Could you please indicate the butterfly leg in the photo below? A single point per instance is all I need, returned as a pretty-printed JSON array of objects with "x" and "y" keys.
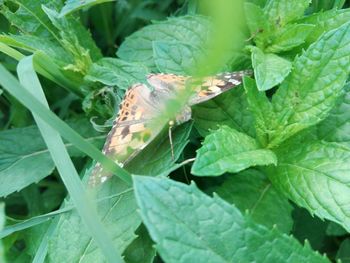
[{"x": 171, "y": 125}]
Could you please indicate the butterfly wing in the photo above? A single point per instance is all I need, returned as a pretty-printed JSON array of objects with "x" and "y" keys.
[
  {"x": 136, "y": 127},
  {"x": 213, "y": 86},
  {"x": 204, "y": 89},
  {"x": 132, "y": 131}
]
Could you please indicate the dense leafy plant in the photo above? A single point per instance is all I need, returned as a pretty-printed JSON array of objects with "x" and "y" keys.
[{"x": 261, "y": 173}]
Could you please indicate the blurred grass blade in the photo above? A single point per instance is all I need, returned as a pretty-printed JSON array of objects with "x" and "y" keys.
[
  {"x": 44, "y": 66},
  {"x": 226, "y": 38},
  {"x": 11, "y": 51},
  {"x": 41, "y": 252},
  {"x": 34, "y": 221},
  {"x": 37, "y": 220},
  {"x": 10, "y": 84},
  {"x": 69, "y": 175}
]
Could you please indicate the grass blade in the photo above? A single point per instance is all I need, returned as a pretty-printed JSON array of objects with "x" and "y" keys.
[
  {"x": 69, "y": 175},
  {"x": 9, "y": 230},
  {"x": 41, "y": 252},
  {"x": 11, "y": 51}
]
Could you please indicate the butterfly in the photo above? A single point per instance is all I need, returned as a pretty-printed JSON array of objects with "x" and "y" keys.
[{"x": 144, "y": 112}]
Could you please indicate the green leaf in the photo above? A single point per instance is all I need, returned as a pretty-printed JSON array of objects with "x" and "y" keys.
[
  {"x": 281, "y": 12},
  {"x": 29, "y": 18},
  {"x": 256, "y": 19},
  {"x": 75, "y": 39},
  {"x": 270, "y": 27},
  {"x": 334, "y": 229},
  {"x": 269, "y": 69},
  {"x": 230, "y": 108},
  {"x": 227, "y": 150},
  {"x": 344, "y": 251},
  {"x": 69, "y": 46},
  {"x": 176, "y": 57},
  {"x": 74, "y": 34},
  {"x": 28, "y": 160},
  {"x": 74, "y": 5},
  {"x": 258, "y": 24},
  {"x": 208, "y": 229},
  {"x": 117, "y": 210},
  {"x": 59, "y": 33},
  {"x": 305, "y": 168},
  {"x": 289, "y": 37},
  {"x": 314, "y": 85},
  {"x": 335, "y": 128},
  {"x": 325, "y": 21},
  {"x": 37, "y": 20},
  {"x": 261, "y": 108},
  {"x": 116, "y": 72},
  {"x": 141, "y": 249},
  {"x": 251, "y": 192},
  {"x": 138, "y": 47}
]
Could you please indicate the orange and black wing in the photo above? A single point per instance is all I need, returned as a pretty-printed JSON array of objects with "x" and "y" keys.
[
  {"x": 131, "y": 132},
  {"x": 213, "y": 86},
  {"x": 138, "y": 124}
]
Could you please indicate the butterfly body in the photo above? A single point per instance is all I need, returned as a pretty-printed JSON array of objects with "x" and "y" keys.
[{"x": 145, "y": 111}]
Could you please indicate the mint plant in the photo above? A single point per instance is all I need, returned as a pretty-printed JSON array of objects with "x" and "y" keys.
[{"x": 259, "y": 174}]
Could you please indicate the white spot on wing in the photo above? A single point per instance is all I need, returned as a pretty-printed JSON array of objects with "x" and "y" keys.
[
  {"x": 103, "y": 179},
  {"x": 234, "y": 81}
]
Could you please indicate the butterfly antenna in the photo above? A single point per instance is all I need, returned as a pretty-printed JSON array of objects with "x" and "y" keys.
[{"x": 171, "y": 125}]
